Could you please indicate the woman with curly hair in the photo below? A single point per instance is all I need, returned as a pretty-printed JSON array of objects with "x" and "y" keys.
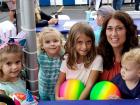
[{"x": 118, "y": 35}]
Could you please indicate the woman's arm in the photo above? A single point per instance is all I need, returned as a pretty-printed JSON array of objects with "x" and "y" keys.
[
  {"x": 61, "y": 79},
  {"x": 90, "y": 82}
]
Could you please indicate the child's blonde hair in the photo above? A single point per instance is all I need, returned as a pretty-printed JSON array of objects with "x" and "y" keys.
[
  {"x": 132, "y": 55},
  {"x": 46, "y": 32},
  {"x": 10, "y": 48},
  {"x": 75, "y": 31}
]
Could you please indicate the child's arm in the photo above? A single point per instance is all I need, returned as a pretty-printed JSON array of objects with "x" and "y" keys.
[
  {"x": 61, "y": 79},
  {"x": 91, "y": 80},
  {"x": 2, "y": 91}
]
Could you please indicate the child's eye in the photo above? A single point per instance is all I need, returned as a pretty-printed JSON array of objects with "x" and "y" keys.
[
  {"x": 125, "y": 68},
  {"x": 79, "y": 42},
  {"x": 55, "y": 40},
  {"x": 89, "y": 42},
  {"x": 9, "y": 63},
  {"x": 47, "y": 42},
  {"x": 18, "y": 62}
]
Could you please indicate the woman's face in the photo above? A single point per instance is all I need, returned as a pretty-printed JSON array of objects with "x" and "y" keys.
[{"x": 116, "y": 33}]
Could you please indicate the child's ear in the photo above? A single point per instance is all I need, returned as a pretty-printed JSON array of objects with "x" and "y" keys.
[{"x": 139, "y": 72}]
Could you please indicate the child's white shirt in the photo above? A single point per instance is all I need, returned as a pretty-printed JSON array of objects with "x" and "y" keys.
[{"x": 82, "y": 73}]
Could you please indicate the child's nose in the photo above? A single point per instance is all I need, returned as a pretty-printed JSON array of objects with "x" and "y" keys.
[
  {"x": 52, "y": 43},
  {"x": 84, "y": 46},
  {"x": 14, "y": 66}
]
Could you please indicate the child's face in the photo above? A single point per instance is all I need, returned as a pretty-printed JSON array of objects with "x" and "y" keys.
[
  {"x": 130, "y": 71},
  {"x": 52, "y": 45},
  {"x": 83, "y": 45},
  {"x": 12, "y": 66}
]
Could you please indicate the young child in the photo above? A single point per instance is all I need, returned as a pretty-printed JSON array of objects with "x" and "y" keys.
[
  {"x": 10, "y": 69},
  {"x": 80, "y": 60},
  {"x": 49, "y": 58},
  {"x": 128, "y": 81}
]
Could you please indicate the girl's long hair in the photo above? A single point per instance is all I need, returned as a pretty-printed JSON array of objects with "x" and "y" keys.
[
  {"x": 70, "y": 46},
  {"x": 106, "y": 50}
]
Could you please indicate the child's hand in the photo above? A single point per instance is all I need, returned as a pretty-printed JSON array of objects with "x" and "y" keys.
[
  {"x": 60, "y": 98},
  {"x": 114, "y": 97}
]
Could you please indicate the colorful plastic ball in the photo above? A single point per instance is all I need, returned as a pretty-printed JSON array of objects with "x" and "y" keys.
[
  {"x": 71, "y": 89},
  {"x": 102, "y": 90}
]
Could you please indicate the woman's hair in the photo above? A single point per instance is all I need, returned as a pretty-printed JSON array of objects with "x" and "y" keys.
[
  {"x": 106, "y": 50},
  {"x": 105, "y": 11},
  {"x": 10, "y": 48},
  {"x": 70, "y": 46},
  {"x": 132, "y": 55},
  {"x": 37, "y": 11},
  {"x": 47, "y": 31}
]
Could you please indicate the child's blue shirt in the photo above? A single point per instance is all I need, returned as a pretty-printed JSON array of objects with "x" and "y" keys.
[{"x": 125, "y": 92}]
